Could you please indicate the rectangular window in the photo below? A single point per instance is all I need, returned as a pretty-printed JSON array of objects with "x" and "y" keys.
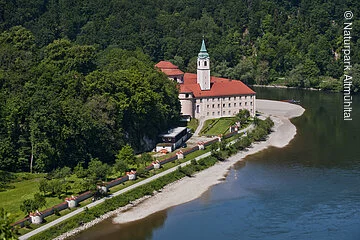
[
  {"x": 250, "y": 103},
  {"x": 229, "y": 98},
  {"x": 235, "y": 104},
  {"x": 186, "y": 95},
  {"x": 229, "y": 112},
  {"x": 207, "y": 106},
  {"x": 240, "y": 104},
  {"x": 229, "y": 104},
  {"x": 218, "y": 99},
  {"x": 223, "y": 112},
  {"x": 200, "y": 100},
  {"x": 197, "y": 109},
  {"x": 213, "y": 105},
  {"x": 207, "y": 113},
  {"x": 219, "y": 105},
  {"x": 245, "y": 103},
  {"x": 218, "y": 112},
  {"x": 223, "y": 104}
]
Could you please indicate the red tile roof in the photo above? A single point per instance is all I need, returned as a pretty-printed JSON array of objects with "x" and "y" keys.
[
  {"x": 219, "y": 87},
  {"x": 166, "y": 64},
  {"x": 172, "y": 72},
  {"x": 168, "y": 68}
]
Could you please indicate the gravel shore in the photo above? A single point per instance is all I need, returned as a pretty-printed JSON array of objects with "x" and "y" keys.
[{"x": 188, "y": 189}]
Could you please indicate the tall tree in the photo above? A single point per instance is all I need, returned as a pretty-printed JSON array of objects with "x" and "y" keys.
[{"x": 6, "y": 231}]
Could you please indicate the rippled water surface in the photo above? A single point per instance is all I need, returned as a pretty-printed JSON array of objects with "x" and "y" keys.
[{"x": 307, "y": 190}]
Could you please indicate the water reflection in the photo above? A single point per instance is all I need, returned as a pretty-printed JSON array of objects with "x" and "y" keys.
[
  {"x": 138, "y": 230},
  {"x": 306, "y": 190}
]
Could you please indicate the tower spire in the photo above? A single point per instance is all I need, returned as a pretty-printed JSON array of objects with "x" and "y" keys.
[
  {"x": 203, "y": 68},
  {"x": 203, "y": 52}
]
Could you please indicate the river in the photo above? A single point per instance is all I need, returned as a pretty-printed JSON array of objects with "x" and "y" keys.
[{"x": 308, "y": 190}]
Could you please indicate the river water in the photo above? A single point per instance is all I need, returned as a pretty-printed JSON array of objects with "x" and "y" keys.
[{"x": 308, "y": 190}]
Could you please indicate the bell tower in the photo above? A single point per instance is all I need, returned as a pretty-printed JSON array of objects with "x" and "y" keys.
[{"x": 203, "y": 68}]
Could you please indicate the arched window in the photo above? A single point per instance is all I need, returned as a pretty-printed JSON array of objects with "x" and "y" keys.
[
  {"x": 199, "y": 63},
  {"x": 205, "y": 63}
]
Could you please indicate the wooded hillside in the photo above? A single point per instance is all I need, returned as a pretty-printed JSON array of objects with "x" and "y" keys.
[
  {"x": 77, "y": 78},
  {"x": 68, "y": 103},
  {"x": 297, "y": 43}
]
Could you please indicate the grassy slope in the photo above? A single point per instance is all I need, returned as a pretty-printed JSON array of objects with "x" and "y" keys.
[
  {"x": 11, "y": 199},
  {"x": 221, "y": 126}
]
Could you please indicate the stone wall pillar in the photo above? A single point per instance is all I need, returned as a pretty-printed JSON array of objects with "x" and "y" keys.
[
  {"x": 156, "y": 164},
  {"x": 131, "y": 175},
  {"x": 180, "y": 155},
  {"x": 71, "y": 202},
  {"x": 36, "y": 218}
]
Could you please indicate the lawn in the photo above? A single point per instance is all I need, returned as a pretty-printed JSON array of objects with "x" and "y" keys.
[
  {"x": 193, "y": 124},
  {"x": 18, "y": 191},
  {"x": 214, "y": 127},
  {"x": 25, "y": 187},
  {"x": 12, "y": 198}
]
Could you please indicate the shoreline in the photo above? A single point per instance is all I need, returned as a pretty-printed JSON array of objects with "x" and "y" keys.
[
  {"x": 188, "y": 189},
  {"x": 283, "y": 86}
]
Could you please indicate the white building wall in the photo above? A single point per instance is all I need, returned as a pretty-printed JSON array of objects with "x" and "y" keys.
[
  {"x": 177, "y": 78},
  {"x": 203, "y": 73},
  {"x": 187, "y": 104},
  {"x": 223, "y": 106},
  {"x": 168, "y": 148}
]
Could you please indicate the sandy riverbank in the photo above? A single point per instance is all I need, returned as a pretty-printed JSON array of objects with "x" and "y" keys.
[{"x": 189, "y": 189}]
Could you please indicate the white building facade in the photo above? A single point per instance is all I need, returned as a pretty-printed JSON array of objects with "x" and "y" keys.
[{"x": 203, "y": 96}]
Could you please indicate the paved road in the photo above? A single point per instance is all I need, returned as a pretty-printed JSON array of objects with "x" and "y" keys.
[
  {"x": 200, "y": 126},
  {"x": 145, "y": 181}
]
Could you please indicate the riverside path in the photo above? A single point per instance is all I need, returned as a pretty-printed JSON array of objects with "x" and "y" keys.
[{"x": 93, "y": 204}]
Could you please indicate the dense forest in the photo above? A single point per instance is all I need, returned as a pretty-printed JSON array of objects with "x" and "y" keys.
[
  {"x": 77, "y": 78},
  {"x": 67, "y": 103},
  {"x": 294, "y": 42}
]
